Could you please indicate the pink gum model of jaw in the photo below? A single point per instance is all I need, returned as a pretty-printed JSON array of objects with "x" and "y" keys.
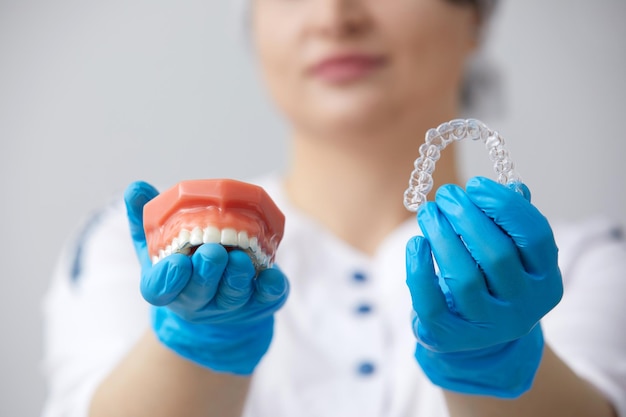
[{"x": 233, "y": 213}]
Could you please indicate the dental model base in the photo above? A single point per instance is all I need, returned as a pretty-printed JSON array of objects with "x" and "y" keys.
[
  {"x": 232, "y": 213},
  {"x": 421, "y": 181}
]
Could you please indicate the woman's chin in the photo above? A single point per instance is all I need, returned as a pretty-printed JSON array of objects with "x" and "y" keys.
[{"x": 356, "y": 118}]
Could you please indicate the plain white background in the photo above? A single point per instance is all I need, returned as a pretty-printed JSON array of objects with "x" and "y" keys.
[{"x": 94, "y": 95}]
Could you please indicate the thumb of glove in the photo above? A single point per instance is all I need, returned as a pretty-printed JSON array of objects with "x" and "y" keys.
[{"x": 137, "y": 194}]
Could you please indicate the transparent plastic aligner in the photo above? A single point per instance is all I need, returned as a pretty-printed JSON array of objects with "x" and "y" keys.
[{"x": 421, "y": 181}]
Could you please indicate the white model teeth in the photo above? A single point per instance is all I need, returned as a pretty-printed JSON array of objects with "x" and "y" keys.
[
  {"x": 242, "y": 240},
  {"x": 195, "y": 238},
  {"x": 211, "y": 235},
  {"x": 183, "y": 237},
  {"x": 227, "y": 237},
  {"x": 254, "y": 243}
]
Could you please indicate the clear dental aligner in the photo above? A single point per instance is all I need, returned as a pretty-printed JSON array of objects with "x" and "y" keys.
[{"x": 421, "y": 181}]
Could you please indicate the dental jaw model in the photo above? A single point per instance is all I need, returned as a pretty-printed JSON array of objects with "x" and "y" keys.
[
  {"x": 235, "y": 214},
  {"x": 421, "y": 181}
]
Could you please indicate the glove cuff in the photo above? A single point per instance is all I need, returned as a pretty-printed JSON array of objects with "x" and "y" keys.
[
  {"x": 234, "y": 349},
  {"x": 505, "y": 371}
]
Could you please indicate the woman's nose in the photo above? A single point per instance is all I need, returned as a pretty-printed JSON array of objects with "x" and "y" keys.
[{"x": 339, "y": 18}]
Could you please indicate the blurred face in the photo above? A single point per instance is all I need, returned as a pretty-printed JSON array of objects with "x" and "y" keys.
[{"x": 345, "y": 66}]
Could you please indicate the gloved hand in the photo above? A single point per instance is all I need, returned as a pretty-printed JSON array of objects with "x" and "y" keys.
[
  {"x": 208, "y": 308},
  {"x": 477, "y": 323}
]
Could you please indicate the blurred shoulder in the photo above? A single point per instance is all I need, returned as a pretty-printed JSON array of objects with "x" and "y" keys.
[
  {"x": 100, "y": 238},
  {"x": 599, "y": 238}
]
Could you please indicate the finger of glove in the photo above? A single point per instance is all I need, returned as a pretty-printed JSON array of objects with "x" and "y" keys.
[
  {"x": 528, "y": 228},
  {"x": 457, "y": 267},
  {"x": 236, "y": 286},
  {"x": 432, "y": 321},
  {"x": 428, "y": 299},
  {"x": 493, "y": 250},
  {"x": 271, "y": 286},
  {"x": 136, "y": 195},
  {"x": 163, "y": 282},
  {"x": 208, "y": 262}
]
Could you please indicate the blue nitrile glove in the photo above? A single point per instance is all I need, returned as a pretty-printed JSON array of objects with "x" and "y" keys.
[
  {"x": 477, "y": 323},
  {"x": 208, "y": 308}
]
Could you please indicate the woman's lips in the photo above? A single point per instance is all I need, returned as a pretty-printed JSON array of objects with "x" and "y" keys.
[{"x": 340, "y": 69}]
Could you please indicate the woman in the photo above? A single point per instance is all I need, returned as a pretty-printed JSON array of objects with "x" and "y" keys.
[{"x": 359, "y": 81}]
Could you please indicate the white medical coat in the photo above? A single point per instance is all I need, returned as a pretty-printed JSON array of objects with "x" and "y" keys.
[{"x": 343, "y": 344}]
